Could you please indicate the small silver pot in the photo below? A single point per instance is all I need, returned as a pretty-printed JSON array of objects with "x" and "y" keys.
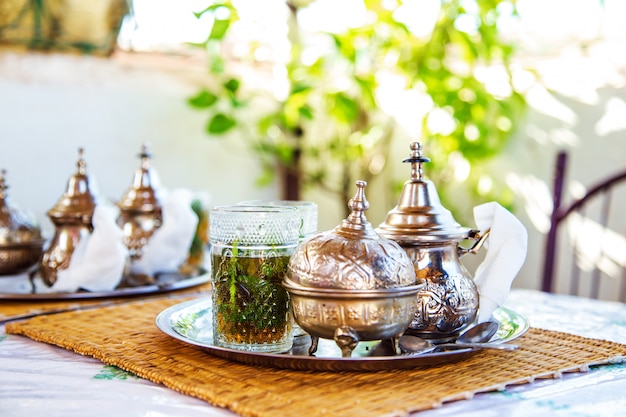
[
  {"x": 21, "y": 244},
  {"x": 348, "y": 284}
]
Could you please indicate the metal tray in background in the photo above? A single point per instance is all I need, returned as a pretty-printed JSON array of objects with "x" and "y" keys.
[
  {"x": 161, "y": 283},
  {"x": 191, "y": 322}
]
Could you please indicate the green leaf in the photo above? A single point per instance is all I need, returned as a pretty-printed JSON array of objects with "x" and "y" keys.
[
  {"x": 236, "y": 103},
  {"x": 204, "y": 99},
  {"x": 220, "y": 123},
  {"x": 266, "y": 122},
  {"x": 306, "y": 112},
  {"x": 212, "y": 8},
  {"x": 232, "y": 85},
  {"x": 267, "y": 177},
  {"x": 344, "y": 108},
  {"x": 300, "y": 88},
  {"x": 367, "y": 86},
  {"x": 217, "y": 66},
  {"x": 219, "y": 29},
  {"x": 202, "y": 12}
]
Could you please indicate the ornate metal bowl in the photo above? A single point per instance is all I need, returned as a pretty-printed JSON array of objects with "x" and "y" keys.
[
  {"x": 348, "y": 284},
  {"x": 17, "y": 258},
  {"x": 21, "y": 244},
  {"x": 348, "y": 316}
]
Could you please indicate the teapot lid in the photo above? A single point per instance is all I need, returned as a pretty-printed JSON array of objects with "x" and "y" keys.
[
  {"x": 142, "y": 195},
  {"x": 419, "y": 215},
  {"x": 352, "y": 256},
  {"x": 77, "y": 203},
  {"x": 16, "y": 226}
]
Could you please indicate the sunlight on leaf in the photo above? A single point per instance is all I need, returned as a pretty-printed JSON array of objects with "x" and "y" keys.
[
  {"x": 203, "y": 99},
  {"x": 220, "y": 123}
]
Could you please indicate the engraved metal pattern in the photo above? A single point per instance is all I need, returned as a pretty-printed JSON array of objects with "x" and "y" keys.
[
  {"x": 447, "y": 305},
  {"x": 449, "y": 301},
  {"x": 19, "y": 257},
  {"x": 371, "y": 318},
  {"x": 331, "y": 261}
]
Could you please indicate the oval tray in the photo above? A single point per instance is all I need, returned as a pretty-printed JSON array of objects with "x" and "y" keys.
[
  {"x": 162, "y": 283},
  {"x": 191, "y": 322}
]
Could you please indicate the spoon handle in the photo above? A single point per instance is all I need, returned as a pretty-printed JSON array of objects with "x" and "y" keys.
[{"x": 500, "y": 346}]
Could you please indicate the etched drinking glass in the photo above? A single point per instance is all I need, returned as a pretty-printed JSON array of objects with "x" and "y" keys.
[
  {"x": 251, "y": 247},
  {"x": 308, "y": 226},
  {"x": 307, "y": 209}
]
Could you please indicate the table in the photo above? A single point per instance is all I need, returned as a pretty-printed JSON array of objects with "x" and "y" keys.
[{"x": 37, "y": 379}]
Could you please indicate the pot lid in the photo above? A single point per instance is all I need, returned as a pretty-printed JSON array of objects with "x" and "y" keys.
[
  {"x": 419, "y": 215},
  {"x": 352, "y": 256},
  {"x": 78, "y": 202},
  {"x": 142, "y": 195},
  {"x": 16, "y": 226}
]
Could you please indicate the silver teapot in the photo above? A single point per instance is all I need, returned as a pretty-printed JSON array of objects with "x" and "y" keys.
[
  {"x": 427, "y": 231},
  {"x": 72, "y": 216},
  {"x": 140, "y": 208}
]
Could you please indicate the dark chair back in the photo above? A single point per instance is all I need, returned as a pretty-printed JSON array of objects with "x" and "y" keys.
[{"x": 596, "y": 247}]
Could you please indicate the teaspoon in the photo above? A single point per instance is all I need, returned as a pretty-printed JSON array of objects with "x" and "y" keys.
[
  {"x": 482, "y": 332},
  {"x": 416, "y": 345}
]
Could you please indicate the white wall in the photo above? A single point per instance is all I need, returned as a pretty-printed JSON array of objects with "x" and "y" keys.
[
  {"x": 52, "y": 104},
  {"x": 587, "y": 117}
]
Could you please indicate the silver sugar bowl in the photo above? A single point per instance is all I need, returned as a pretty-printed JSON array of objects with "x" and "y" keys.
[
  {"x": 427, "y": 231},
  {"x": 21, "y": 243},
  {"x": 349, "y": 285}
]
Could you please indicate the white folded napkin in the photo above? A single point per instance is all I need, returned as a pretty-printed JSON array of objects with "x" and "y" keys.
[
  {"x": 168, "y": 247},
  {"x": 98, "y": 261},
  {"x": 506, "y": 246}
]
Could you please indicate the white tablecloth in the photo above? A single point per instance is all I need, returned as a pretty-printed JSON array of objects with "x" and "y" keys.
[{"x": 37, "y": 379}]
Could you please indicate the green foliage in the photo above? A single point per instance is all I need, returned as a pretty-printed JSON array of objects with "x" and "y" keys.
[{"x": 330, "y": 128}]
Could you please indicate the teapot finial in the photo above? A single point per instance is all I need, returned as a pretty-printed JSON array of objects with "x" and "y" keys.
[
  {"x": 80, "y": 164},
  {"x": 416, "y": 161},
  {"x": 3, "y": 183},
  {"x": 145, "y": 156}
]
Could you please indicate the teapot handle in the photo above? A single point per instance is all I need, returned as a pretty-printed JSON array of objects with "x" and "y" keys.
[{"x": 478, "y": 244}]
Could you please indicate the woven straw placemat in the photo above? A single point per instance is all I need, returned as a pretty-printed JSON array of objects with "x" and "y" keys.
[{"x": 126, "y": 336}]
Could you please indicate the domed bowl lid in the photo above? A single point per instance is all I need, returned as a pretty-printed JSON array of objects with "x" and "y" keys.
[
  {"x": 142, "y": 195},
  {"x": 17, "y": 227},
  {"x": 77, "y": 203},
  {"x": 352, "y": 256}
]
